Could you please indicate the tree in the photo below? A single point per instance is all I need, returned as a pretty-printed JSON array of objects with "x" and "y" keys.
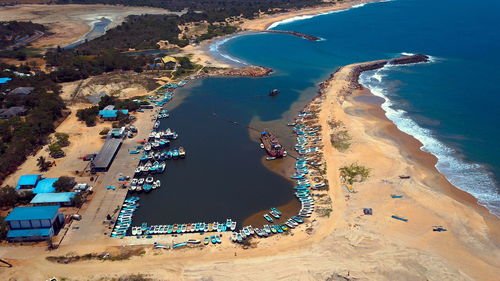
[
  {"x": 55, "y": 149},
  {"x": 8, "y": 196},
  {"x": 64, "y": 184},
  {"x": 354, "y": 172},
  {"x": 78, "y": 200},
  {"x": 62, "y": 139},
  {"x": 3, "y": 228},
  {"x": 42, "y": 164}
]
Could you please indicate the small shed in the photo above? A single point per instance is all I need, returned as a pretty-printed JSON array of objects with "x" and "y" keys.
[
  {"x": 28, "y": 181},
  {"x": 64, "y": 199},
  {"x": 12, "y": 112},
  {"x": 21, "y": 91},
  {"x": 45, "y": 186}
]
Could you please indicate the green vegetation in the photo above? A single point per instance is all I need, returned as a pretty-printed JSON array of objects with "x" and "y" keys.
[
  {"x": 185, "y": 67},
  {"x": 13, "y": 31},
  {"x": 341, "y": 140},
  {"x": 354, "y": 173},
  {"x": 62, "y": 139},
  {"x": 3, "y": 228},
  {"x": 88, "y": 115},
  {"x": 217, "y": 30},
  {"x": 64, "y": 184},
  {"x": 22, "y": 136},
  {"x": 137, "y": 32},
  {"x": 9, "y": 197},
  {"x": 42, "y": 164}
]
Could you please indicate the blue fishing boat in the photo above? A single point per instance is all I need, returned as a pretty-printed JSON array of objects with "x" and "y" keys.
[
  {"x": 268, "y": 218},
  {"x": 276, "y": 211}
]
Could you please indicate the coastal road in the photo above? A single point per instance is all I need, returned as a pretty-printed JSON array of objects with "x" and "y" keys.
[
  {"x": 26, "y": 41},
  {"x": 93, "y": 225}
]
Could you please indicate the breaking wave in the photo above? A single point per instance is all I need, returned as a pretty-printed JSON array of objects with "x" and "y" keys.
[{"x": 471, "y": 177}]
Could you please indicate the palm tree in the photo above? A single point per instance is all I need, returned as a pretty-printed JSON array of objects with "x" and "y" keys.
[{"x": 42, "y": 164}]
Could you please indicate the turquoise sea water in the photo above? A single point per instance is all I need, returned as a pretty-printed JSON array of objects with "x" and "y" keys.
[{"x": 451, "y": 104}]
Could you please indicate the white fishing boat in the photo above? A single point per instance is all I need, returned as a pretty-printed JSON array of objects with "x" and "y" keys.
[{"x": 149, "y": 180}]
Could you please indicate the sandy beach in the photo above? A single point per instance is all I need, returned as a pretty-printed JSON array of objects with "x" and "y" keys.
[{"x": 345, "y": 245}]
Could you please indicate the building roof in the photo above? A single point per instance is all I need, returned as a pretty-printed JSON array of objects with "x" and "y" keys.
[
  {"x": 4, "y": 80},
  {"x": 15, "y": 233},
  {"x": 27, "y": 180},
  {"x": 32, "y": 213},
  {"x": 61, "y": 197},
  {"x": 22, "y": 91},
  {"x": 111, "y": 113},
  {"x": 107, "y": 153},
  {"x": 168, "y": 59},
  {"x": 12, "y": 111},
  {"x": 45, "y": 186}
]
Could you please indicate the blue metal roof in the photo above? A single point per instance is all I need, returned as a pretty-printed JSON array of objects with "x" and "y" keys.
[
  {"x": 111, "y": 113},
  {"x": 29, "y": 232},
  {"x": 32, "y": 213},
  {"x": 62, "y": 197},
  {"x": 27, "y": 180},
  {"x": 4, "y": 80},
  {"x": 45, "y": 186}
]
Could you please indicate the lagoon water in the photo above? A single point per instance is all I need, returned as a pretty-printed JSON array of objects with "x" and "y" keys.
[{"x": 450, "y": 105}]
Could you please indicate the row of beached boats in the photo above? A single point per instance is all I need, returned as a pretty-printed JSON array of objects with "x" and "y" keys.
[
  {"x": 144, "y": 184},
  {"x": 307, "y": 141},
  {"x": 171, "y": 154},
  {"x": 157, "y": 135},
  {"x": 156, "y": 167},
  {"x": 124, "y": 220},
  {"x": 144, "y": 229}
]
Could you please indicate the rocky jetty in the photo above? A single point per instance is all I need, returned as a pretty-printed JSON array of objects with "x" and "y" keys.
[
  {"x": 357, "y": 69},
  {"x": 294, "y": 33}
]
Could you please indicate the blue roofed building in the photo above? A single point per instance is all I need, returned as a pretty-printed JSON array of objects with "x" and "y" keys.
[
  {"x": 34, "y": 223},
  {"x": 45, "y": 186},
  {"x": 28, "y": 182},
  {"x": 54, "y": 199},
  {"x": 111, "y": 114}
]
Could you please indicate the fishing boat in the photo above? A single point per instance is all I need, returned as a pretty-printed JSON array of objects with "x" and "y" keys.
[
  {"x": 214, "y": 240},
  {"x": 270, "y": 158},
  {"x": 274, "y": 92},
  {"x": 268, "y": 218},
  {"x": 271, "y": 144},
  {"x": 182, "y": 152},
  {"x": 206, "y": 240},
  {"x": 274, "y": 214},
  {"x": 233, "y": 225},
  {"x": 276, "y": 211},
  {"x": 156, "y": 125},
  {"x": 156, "y": 184},
  {"x": 218, "y": 239},
  {"x": 149, "y": 180},
  {"x": 147, "y": 147},
  {"x": 140, "y": 181}
]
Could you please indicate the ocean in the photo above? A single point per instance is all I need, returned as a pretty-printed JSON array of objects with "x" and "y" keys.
[{"x": 449, "y": 104}]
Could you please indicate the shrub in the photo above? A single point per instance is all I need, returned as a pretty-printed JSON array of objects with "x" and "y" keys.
[{"x": 354, "y": 172}]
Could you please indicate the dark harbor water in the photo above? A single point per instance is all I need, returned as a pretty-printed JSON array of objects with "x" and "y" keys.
[{"x": 450, "y": 105}]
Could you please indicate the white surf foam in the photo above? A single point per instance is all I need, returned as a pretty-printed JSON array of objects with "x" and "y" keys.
[
  {"x": 470, "y": 177},
  {"x": 215, "y": 48},
  {"x": 305, "y": 17}
]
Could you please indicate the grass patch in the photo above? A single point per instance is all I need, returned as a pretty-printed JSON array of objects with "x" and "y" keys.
[
  {"x": 341, "y": 140},
  {"x": 354, "y": 173}
]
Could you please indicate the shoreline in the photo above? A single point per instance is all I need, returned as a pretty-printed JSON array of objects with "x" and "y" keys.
[{"x": 370, "y": 247}]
